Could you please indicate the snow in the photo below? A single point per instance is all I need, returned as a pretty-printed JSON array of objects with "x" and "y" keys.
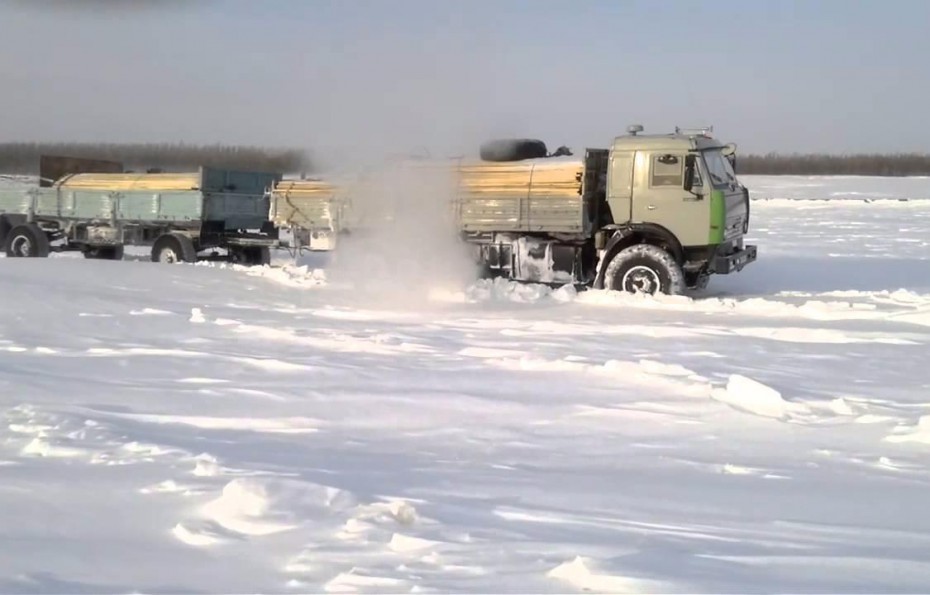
[
  {"x": 13, "y": 181},
  {"x": 756, "y": 398},
  {"x": 219, "y": 428},
  {"x": 855, "y": 188}
]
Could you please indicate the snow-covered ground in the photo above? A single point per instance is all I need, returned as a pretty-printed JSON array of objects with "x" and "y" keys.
[
  {"x": 868, "y": 188},
  {"x": 205, "y": 428}
]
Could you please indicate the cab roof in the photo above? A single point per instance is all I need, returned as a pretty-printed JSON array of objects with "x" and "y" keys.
[{"x": 670, "y": 142}]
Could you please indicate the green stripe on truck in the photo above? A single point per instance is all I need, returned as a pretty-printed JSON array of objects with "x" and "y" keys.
[{"x": 718, "y": 216}]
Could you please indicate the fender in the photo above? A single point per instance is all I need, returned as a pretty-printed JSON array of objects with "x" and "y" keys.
[{"x": 637, "y": 233}]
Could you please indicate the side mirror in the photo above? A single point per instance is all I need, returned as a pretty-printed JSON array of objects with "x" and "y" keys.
[
  {"x": 729, "y": 151},
  {"x": 689, "y": 173}
]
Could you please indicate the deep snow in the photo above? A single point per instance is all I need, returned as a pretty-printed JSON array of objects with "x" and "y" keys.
[{"x": 207, "y": 428}]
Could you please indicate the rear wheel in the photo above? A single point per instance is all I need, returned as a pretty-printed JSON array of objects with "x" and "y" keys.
[
  {"x": 174, "y": 247},
  {"x": 27, "y": 241},
  {"x": 646, "y": 269}
]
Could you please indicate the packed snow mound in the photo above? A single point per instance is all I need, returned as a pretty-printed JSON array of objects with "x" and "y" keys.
[
  {"x": 288, "y": 274},
  {"x": 913, "y": 307},
  {"x": 749, "y": 395},
  {"x": 919, "y": 433},
  {"x": 579, "y": 574},
  {"x": 500, "y": 289},
  {"x": 263, "y": 506}
]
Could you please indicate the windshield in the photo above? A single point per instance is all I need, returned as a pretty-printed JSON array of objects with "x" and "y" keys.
[{"x": 719, "y": 169}]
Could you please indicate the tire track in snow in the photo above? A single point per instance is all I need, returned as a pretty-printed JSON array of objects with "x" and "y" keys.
[
  {"x": 45, "y": 434},
  {"x": 350, "y": 544},
  {"x": 242, "y": 505}
]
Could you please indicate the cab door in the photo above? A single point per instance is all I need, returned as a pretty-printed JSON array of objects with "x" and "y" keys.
[
  {"x": 620, "y": 186},
  {"x": 660, "y": 197}
]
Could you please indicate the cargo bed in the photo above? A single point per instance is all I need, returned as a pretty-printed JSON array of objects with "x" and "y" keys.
[{"x": 535, "y": 195}]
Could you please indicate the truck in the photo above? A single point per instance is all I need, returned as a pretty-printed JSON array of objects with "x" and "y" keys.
[
  {"x": 656, "y": 213},
  {"x": 97, "y": 208}
]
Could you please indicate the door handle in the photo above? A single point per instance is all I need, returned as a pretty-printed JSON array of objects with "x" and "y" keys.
[{"x": 651, "y": 207}]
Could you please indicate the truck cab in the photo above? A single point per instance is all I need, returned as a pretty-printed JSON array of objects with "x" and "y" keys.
[{"x": 679, "y": 194}]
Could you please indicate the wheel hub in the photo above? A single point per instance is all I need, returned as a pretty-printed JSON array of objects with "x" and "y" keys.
[
  {"x": 640, "y": 279},
  {"x": 22, "y": 246},
  {"x": 167, "y": 255}
]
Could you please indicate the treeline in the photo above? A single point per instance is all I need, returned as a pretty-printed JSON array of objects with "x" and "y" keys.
[
  {"x": 878, "y": 164},
  {"x": 23, "y": 158}
]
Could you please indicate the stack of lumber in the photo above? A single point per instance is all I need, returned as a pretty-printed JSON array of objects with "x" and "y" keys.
[
  {"x": 161, "y": 182},
  {"x": 306, "y": 203},
  {"x": 305, "y": 189},
  {"x": 531, "y": 178}
]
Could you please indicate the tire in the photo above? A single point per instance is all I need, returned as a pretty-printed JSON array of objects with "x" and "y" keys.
[
  {"x": 104, "y": 252},
  {"x": 513, "y": 149},
  {"x": 263, "y": 256},
  {"x": 644, "y": 268},
  {"x": 27, "y": 240},
  {"x": 174, "y": 247}
]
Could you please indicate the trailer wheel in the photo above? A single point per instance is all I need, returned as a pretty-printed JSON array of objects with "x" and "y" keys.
[
  {"x": 644, "y": 268},
  {"x": 174, "y": 247},
  {"x": 104, "y": 252},
  {"x": 27, "y": 240}
]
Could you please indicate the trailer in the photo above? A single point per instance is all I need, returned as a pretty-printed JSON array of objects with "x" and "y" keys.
[
  {"x": 310, "y": 211},
  {"x": 208, "y": 214}
]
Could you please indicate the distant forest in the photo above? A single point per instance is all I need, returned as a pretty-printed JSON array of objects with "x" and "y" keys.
[
  {"x": 23, "y": 158},
  {"x": 887, "y": 164}
]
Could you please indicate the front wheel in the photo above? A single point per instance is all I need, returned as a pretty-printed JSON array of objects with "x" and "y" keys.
[{"x": 646, "y": 269}]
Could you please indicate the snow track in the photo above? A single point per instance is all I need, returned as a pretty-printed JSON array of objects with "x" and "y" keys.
[{"x": 229, "y": 429}]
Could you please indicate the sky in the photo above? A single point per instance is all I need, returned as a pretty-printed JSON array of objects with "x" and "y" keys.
[{"x": 344, "y": 76}]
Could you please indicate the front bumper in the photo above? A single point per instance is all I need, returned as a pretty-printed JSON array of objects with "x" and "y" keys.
[{"x": 734, "y": 261}]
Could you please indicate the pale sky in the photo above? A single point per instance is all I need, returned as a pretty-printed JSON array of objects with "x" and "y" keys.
[{"x": 838, "y": 75}]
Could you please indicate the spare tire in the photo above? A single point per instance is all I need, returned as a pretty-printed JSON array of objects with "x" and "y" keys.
[{"x": 513, "y": 149}]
